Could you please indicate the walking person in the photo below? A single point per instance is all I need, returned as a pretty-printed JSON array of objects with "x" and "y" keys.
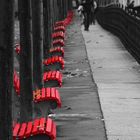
[
  {"x": 86, "y": 12},
  {"x": 80, "y": 12},
  {"x": 93, "y": 12}
]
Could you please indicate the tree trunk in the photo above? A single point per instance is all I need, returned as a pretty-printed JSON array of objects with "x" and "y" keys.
[
  {"x": 6, "y": 67},
  {"x": 55, "y": 10},
  {"x": 37, "y": 14},
  {"x": 46, "y": 22},
  {"x": 60, "y": 10},
  {"x": 64, "y": 7},
  {"x": 50, "y": 12},
  {"x": 69, "y": 4},
  {"x": 47, "y": 26},
  {"x": 26, "y": 60}
]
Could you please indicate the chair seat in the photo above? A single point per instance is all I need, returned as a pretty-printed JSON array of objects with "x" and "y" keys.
[
  {"x": 47, "y": 94},
  {"x": 42, "y": 126},
  {"x": 53, "y": 60}
]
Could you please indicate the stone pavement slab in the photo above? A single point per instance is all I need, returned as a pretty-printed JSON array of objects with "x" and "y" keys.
[
  {"x": 117, "y": 75},
  {"x": 80, "y": 117}
]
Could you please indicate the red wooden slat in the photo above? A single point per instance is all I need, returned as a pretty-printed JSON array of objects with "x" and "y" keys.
[
  {"x": 60, "y": 59},
  {"x": 49, "y": 61},
  {"x": 35, "y": 127},
  {"x": 53, "y": 131},
  {"x": 16, "y": 130},
  {"x": 57, "y": 59},
  {"x": 53, "y": 60},
  {"x": 57, "y": 75},
  {"x": 49, "y": 126},
  {"x": 29, "y": 129},
  {"x": 45, "y": 76},
  {"x": 58, "y": 42},
  {"x": 60, "y": 76},
  {"x": 22, "y": 130},
  {"x": 53, "y": 75},
  {"x": 38, "y": 95},
  {"x": 53, "y": 93},
  {"x": 42, "y": 125},
  {"x": 59, "y": 28},
  {"x": 43, "y": 93},
  {"x": 58, "y": 98},
  {"x": 49, "y": 75},
  {"x": 59, "y": 23},
  {"x": 48, "y": 93}
]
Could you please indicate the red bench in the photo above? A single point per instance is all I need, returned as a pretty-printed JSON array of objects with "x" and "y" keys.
[
  {"x": 59, "y": 29},
  {"x": 55, "y": 60},
  {"x": 68, "y": 20},
  {"x": 47, "y": 94},
  {"x": 40, "y": 127},
  {"x": 58, "y": 42},
  {"x": 53, "y": 76},
  {"x": 58, "y": 35},
  {"x": 59, "y": 23},
  {"x": 57, "y": 51}
]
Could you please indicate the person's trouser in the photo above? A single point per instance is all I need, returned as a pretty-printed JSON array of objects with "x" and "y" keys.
[
  {"x": 92, "y": 17},
  {"x": 86, "y": 20}
]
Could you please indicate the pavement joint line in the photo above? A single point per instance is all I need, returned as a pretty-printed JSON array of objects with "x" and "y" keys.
[
  {"x": 74, "y": 87},
  {"x": 77, "y": 115}
]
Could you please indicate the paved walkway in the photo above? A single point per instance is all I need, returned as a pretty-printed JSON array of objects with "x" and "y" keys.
[
  {"x": 117, "y": 76},
  {"x": 80, "y": 117}
]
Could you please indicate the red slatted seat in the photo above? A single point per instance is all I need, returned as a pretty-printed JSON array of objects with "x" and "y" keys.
[
  {"x": 35, "y": 127},
  {"x": 29, "y": 129},
  {"x": 16, "y": 131},
  {"x": 40, "y": 126},
  {"x": 53, "y": 76},
  {"x": 51, "y": 128},
  {"x": 59, "y": 23},
  {"x": 57, "y": 50},
  {"x": 53, "y": 60},
  {"x": 59, "y": 28},
  {"x": 22, "y": 131},
  {"x": 47, "y": 94},
  {"x": 68, "y": 20},
  {"x": 58, "y": 42},
  {"x": 45, "y": 75},
  {"x": 57, "y": 35},
  {"x": 43, "y": 94}
]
